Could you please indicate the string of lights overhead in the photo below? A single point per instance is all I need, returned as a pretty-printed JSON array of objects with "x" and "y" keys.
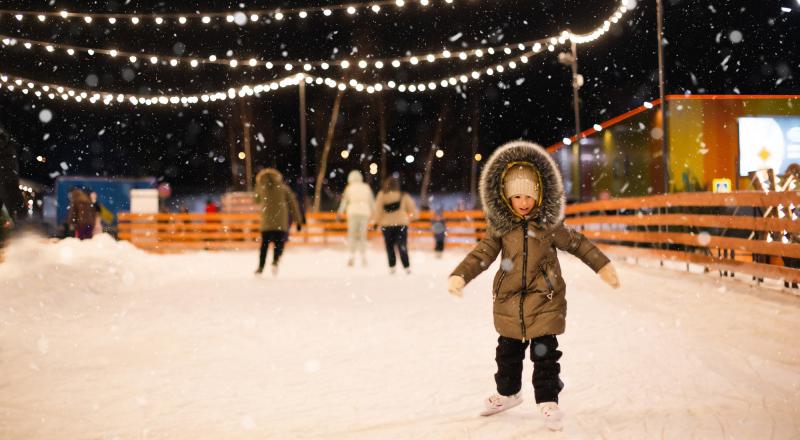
[
  {"x": 7, "y": 41},
  {"x": 241, "y": 17},
  {"x": 308, "y": 65},
  {"x": 55, "y": 91}
]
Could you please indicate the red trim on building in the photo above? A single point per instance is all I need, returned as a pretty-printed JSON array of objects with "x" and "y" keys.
[{"x": 655, "y": 103}]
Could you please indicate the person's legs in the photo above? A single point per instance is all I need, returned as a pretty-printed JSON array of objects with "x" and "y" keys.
[
  {"x": 361, "y": 243},
  {"x": 402, "y": 245},
  {"x": 509, "y": 356},
  {"x": 279, "y": 238},
  {"x": 262, "y": 256},
  {"x": 390, "y": 238},
  {"x": 546, "y": 369},
  {"x": 352, "y": 235}
]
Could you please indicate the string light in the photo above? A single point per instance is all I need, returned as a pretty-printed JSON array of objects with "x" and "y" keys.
[
  {"x": 54, "y": 91},
  {"x": 379, "y": 63},
  {"x": 205, "y": 18},
  {"x": 39, "y": 89}
]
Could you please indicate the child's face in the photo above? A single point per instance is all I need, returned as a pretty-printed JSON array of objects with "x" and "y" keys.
[{"x": 523, "y": 205}]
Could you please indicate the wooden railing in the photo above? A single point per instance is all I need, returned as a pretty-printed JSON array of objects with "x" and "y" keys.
[
  {"x": 726, "y": 231},
  {"x": 177, "y": 232}
]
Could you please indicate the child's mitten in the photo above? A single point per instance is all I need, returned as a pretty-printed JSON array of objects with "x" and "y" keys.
[
  {"x": 609, "y": 275},
  {"x": 455, "y": 285}
]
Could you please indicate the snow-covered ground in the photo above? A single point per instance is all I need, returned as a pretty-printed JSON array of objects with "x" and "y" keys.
[{"x": 99, "y": 340}]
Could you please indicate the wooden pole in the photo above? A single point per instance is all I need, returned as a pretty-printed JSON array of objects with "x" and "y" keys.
[
  {"x": 232, "y": 151},
  {"x": 323, "y": 161},
  {"x": 473, "y": 176},
  {"x": 382, "y": 136},
  {"x": 244, "y": 116},
  {"x": 437, "y": 141}
]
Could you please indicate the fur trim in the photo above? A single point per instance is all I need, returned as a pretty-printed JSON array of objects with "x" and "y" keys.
[
  {"x": 272, "y": 174},
  {"x": 498, "y": 213}
]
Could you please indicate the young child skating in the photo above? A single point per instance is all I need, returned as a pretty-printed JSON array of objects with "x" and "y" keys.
[{"x": 523, "y": 198}]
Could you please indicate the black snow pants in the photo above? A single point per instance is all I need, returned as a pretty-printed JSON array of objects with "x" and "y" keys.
[
  {"x": 396, "y": 236},
  {"x": 545, "y": 356},
  {"x": 277, "y": 237}
]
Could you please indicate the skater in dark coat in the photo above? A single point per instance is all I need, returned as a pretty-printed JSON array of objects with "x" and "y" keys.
[
  {"x": 276, "y": 201},
  {"x": 523, "y": 197}
]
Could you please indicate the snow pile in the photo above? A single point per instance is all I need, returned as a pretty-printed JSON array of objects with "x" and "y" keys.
[
  {"x": 100, "y": 265},
  {"x": 101, "y": 340}
]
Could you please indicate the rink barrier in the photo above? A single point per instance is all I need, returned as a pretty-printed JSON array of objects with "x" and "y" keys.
[
  {"x": 167, "y": 232},
  {"x": 747, "y": 232}
]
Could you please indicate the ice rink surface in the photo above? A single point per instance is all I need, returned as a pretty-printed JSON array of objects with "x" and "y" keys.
[{"x": 99, "y": 340}]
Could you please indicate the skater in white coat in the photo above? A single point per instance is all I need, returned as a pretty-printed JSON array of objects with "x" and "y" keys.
[{"x": 357, "y": 202}]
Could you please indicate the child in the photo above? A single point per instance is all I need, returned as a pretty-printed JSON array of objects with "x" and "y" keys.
[
  {"x": 439, "y": 232},
  {"x": 523, "y": 197},
  {"x": 277, "y": 201}
]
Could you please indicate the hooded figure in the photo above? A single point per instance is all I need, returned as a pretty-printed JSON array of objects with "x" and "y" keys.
[
  {"x": 277, "y": 201},
  {"x": 357, "y": 202},
  {"x": 523, "y": 197},
  {"x": 81, "y": 214}
]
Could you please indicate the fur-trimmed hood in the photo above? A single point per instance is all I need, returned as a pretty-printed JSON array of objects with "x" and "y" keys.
[
  {"x": 269, "y": 176},
  {"x": 498, "y": 210}
]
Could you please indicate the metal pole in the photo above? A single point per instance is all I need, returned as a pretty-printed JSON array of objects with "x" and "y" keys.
[
  {"x": 661, "y": 92},
  {"x": 576, "y": 148},
  {"x": 303, "y": 146},
  {"x": 473, "y": 175}
]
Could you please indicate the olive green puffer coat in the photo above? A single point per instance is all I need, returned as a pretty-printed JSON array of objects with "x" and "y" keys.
[{"x": 276, "y": 201}]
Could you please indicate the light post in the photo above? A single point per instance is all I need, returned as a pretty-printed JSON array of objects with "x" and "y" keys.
[
  {"x": 571, "y": 59},
  {"x": 661, "y": 92}
]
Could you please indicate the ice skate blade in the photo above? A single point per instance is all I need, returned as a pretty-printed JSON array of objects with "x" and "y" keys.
[
  {"x": 554, "y": 425},
  {"x": 492, "y": 411}
]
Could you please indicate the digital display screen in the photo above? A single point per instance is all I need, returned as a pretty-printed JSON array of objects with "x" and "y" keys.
[{"x": 768, "y": 142}]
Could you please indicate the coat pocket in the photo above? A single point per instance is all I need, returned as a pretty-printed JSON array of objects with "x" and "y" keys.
[{"x": 498, "y": 284}]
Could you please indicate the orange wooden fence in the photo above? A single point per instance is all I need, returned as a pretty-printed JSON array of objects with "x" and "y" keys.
[
  {"x": 726, "y": 232},
  {"x": 177, "y": 232}
]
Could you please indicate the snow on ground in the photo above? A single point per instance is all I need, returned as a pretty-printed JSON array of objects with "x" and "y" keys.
[{"x": 99, "y": 340}]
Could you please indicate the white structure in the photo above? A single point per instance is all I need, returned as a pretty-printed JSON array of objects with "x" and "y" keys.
[{"x": 144, "y": 201}]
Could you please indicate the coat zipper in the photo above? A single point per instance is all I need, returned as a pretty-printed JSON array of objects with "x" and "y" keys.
[
  {"x": 549, "y": 284},
  {"x": 524, "y": 278}
]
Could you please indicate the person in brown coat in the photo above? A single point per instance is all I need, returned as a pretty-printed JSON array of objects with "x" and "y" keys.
[
  {"x": 276, "y": 201},
  {"x": 81, "y": 214},
  {"x": 523, "y": 198},
  {"x": 393, "y": 211}
]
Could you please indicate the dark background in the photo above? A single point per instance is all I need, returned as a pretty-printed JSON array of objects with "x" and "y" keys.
[{"x": 189, "y": 147}]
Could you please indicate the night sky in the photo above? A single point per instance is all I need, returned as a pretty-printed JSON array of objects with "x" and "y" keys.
[{"x": 721, "y": 47}]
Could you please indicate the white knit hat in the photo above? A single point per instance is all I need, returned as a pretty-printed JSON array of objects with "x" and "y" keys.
[{"x": 521, "y": 180}]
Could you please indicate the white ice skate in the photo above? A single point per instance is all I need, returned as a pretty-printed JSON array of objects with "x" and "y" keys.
[
  {"x": 499, "y": 403},
  {"x": 274, "y": 270},
  {"x": 552, "y": 415}
]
